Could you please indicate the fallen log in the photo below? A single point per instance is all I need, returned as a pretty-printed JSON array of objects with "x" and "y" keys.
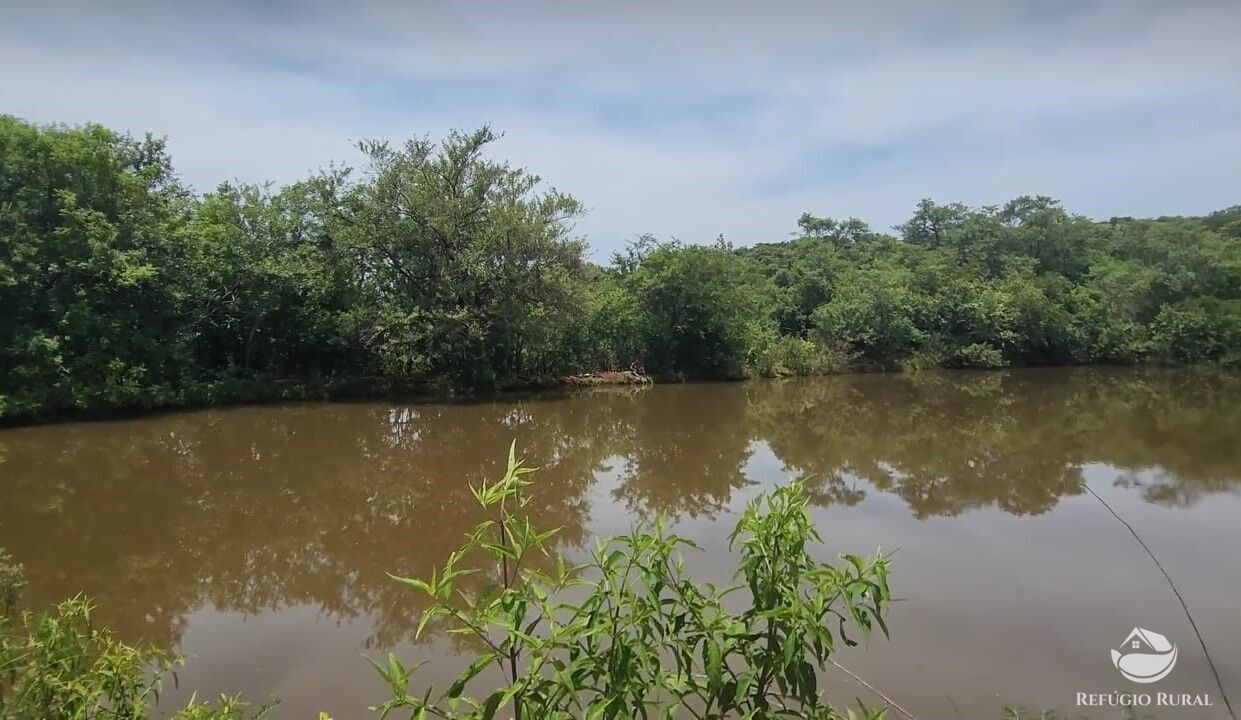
[{"x": 607, "y": 377}]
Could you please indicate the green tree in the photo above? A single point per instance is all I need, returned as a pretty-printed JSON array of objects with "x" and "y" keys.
[
  {"x": 89, "y": 271},
  {"x": 873, "y": 315},
  {"x": 696, "y": 315},
  {"x": 932, "y": 224},
  {"x": 267, "y": 283},
  {"x": 844, "y": 232},
  {"x": 436, "y": 267},
  {"x": 466, "y": 272},
  {"x": 1198, "y": 330}
]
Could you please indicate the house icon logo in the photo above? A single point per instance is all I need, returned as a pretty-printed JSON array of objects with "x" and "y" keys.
[{"x": 1145, "y": 656}]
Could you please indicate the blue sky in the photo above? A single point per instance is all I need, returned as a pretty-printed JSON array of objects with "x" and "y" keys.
[{"x": 685, "y": 119}]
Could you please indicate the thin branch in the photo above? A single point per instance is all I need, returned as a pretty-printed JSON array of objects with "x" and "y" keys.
[
  {"x": 461, "y": 618},
  {"x": 891, "y": 703},
  {"x": 1176, "y": 591}
]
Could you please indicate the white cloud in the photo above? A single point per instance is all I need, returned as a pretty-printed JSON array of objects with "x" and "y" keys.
[{"x": 669, "y": 117}]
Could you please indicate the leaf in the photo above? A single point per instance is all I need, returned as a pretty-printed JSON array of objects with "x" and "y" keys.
[
  {"x": 714, "y": 665},
  {"x": 492, "y": 704},
  {"x": 809, "y": 681},
  {"x": 412, "y": 582},
  {"x": 454, "y": 690}
]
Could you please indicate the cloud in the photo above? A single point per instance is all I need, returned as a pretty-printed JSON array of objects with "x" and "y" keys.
[{"x": 678, "y": 118}]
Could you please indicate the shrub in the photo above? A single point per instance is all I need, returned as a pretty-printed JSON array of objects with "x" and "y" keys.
[
  {"x": 873, "y": 315},
  {"x": 783, "y": 356},
  {"x": 978, "y": 355},
  {"x": 59, "y": 665},
  {"x": 640, "y": 638},
  {"x": 693, "y": 309},
  {"x": 1197, "y": 331}
]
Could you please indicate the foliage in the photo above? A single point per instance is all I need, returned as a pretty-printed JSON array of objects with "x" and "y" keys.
[
  {"x": 694, "y": 317},
  {"x": 436, "y": 267},
  {"x": 628, "y": 633},
  {"x": 60, "y": 665},
  {"x": 844, "y": 232},
  {"x": 88, "y": 263},
  {"x": 464, "y": 271},
  {"x": 872, "y": 312},
  {"x": 1198, "y": 330},
  {"x": 775, "y": 355}
]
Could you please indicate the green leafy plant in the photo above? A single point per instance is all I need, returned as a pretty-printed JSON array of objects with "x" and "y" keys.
[
  {"x": 628, "y": 633},
  {"x": 60, "y": 665}
]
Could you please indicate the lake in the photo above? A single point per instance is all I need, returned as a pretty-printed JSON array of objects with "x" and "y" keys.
[{"x": 256, "y": 540}]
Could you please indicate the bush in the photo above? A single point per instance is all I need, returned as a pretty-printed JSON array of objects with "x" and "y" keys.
[
  {"x": 783, "y": 356},
  {"x": 1198, "y": 331},
  {"x": 59, "y": 665},
  {"x": 694, "y": 315},
  {"x": 873, "y": 315},
  {"x": 639, "y": 638},
  {"x": 978, "y": 355}
]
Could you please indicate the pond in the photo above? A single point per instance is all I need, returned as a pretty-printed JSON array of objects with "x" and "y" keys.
[{"x": 256, "y": 540}]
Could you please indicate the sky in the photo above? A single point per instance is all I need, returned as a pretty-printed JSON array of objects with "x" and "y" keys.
[{"x": 677, "y": 118}]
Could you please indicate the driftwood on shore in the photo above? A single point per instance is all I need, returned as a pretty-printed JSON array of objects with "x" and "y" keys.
[{"x": 607, "y": 377}]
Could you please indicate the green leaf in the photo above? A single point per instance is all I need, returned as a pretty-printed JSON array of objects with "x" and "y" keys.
[
  {"x": 454, "y": 690},
  {"x": 492, "y": 704},
  {"x": 714, "y": 665},
  {"x": 412, "y": 582}
]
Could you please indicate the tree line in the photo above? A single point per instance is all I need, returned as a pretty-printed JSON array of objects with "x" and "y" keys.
[{"x": 434, "y": 267}]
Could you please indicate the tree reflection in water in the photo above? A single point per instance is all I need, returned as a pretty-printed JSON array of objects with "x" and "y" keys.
[{"x": 251, "y": 509}]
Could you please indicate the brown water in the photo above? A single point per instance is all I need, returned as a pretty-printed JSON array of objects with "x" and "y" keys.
[{"x": 256, "y": 540}]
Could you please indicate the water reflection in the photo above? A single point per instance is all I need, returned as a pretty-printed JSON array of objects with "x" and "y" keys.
[
  {"x": 946, "y": 443},
  {"x": 254, "y": 509},
  {"x": 943, "y": 443},
  {"x": 685, "y": 448}
]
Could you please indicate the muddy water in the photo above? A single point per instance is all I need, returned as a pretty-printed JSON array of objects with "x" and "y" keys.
[{"x": 255, "y": 541}]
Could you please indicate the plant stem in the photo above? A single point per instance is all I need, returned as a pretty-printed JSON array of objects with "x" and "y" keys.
[{"x": 508, "y": 583}]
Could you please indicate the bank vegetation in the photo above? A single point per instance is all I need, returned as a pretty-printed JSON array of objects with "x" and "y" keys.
[{"x": 435, "y": 268}]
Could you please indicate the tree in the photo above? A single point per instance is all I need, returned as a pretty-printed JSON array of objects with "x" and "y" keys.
[
  {"x": 873, "y": 314},
  {"x": 437, "y": 268},
  {"x": 266, "y": 282},
  {"x": 89, "y": 270},
  {"x": 844, "y": 232},
  {"x": 466, "y": 272},
  {"x": 931, "y": 223},
  {"x": 696, "y": 317}
]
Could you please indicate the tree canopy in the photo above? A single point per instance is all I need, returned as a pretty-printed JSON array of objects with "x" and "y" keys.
[{"x": 435, "y": 266}]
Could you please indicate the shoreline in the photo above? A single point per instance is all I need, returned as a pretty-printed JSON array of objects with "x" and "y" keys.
[{"x": 361, "y": 390}]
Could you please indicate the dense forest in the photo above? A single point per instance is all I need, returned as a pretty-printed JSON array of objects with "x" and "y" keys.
[{"x": 436, "y": 268}]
